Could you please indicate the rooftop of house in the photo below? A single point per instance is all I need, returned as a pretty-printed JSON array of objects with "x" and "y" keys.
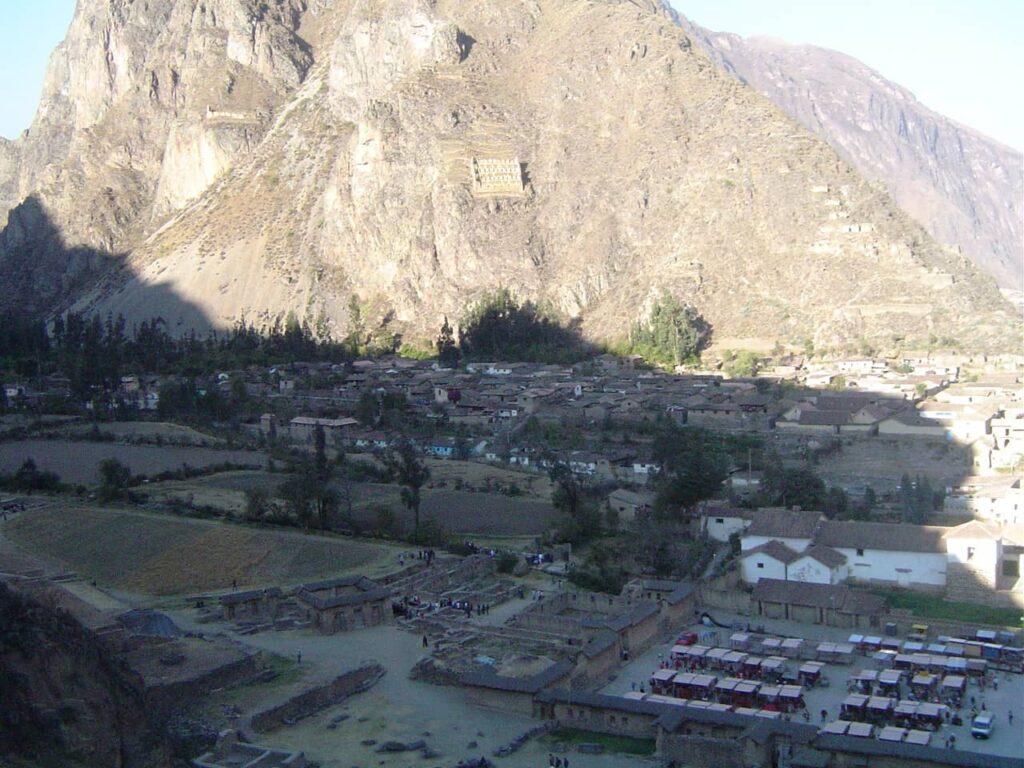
[
  {"x": 784, "y": 523},
  {"x": 827, "y": 556},
  {"x": 891, "y": 537},
  {"x": 834, "y": 596},
  {"x": 775, "y": 550},
  {"x": 360, "y": 590}
]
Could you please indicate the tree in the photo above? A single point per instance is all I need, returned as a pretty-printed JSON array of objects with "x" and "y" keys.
[
  {"x": 671, "y": 334},
  {"x": 499, "y": 327},
  {"x": 693, "y": 467},
  {"x": 257, "y": 504},
  {"x": 569, "y": 495},
  {"x": 789, "y": 486},
  {"x": 114, "y": 479},
  {"x": 405, "y": 465},
  {"x": 863, "y": 508},
  {"x": 838, "y": 383},
  {"x": 917, "y": 500},
  {"x": 297, "y": 492},
  {"x": 745, "y": 363},
  {"x": 836, "y": 503},
  {"x": 29, "y": 478},
  {"x": 448, "y": 353}
]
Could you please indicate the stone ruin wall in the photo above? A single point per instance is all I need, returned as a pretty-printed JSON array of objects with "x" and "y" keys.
[{"x": 496, "y": 177}]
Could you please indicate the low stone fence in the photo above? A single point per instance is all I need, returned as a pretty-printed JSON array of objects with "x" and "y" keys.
[{"x": 314, "y": 700}]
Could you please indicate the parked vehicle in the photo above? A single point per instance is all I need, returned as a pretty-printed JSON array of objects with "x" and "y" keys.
[{"x": 981, "y": 727}]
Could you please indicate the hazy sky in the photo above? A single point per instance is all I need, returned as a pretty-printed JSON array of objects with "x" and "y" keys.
[
  {"x": 29, "y": 31},
  {"x": 961, "y": 58}
]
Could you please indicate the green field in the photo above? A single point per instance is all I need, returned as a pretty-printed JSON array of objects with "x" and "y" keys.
[
  {"x": 160, "y": 555},
  {"x": 926, "y": 606}
]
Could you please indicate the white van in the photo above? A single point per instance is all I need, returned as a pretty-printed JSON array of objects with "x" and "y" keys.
[{"x": 981, "y": 728}]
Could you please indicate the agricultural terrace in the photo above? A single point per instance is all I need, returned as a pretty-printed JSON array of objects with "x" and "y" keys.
[
  {"x": 148, "y": 431},
  {"x": 78, "y": 462},
  {"x": 154, "y": 554},
  {"x": 459, "y": 512}
]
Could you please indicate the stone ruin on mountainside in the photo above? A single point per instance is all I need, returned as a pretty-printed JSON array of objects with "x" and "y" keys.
[{"x": 492, "y": 176}]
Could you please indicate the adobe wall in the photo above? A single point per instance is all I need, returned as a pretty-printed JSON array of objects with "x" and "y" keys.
[
  {"x": 727, "y": 594},
  {"x": 639, "y": 637},
  {"x": 590, "y": 672},
  {"x": 520, "y": 703},
  {"x": 315, "y": 699},
  {"x": 604, "y": 720}
]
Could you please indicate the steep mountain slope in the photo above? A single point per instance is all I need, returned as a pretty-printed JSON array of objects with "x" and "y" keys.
[
  {"x": 965, "y": 188},
  {"x": 578, "y": 152},
  {"x": 66, "y": 699},
  {"x": 143, "y": 105}
]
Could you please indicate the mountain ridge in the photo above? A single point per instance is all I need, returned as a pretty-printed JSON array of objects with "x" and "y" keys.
[
  {"x": 351, "y": 183},
  {"x": 963, "y": 186}
]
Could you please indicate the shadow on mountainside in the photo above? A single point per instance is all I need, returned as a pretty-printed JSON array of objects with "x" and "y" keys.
[{"x": 44, "y": 274}]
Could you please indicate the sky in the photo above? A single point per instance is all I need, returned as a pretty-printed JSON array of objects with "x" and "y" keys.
[
  {"x": 961, "y": 58},
  {"x": 29, "y": 31}
]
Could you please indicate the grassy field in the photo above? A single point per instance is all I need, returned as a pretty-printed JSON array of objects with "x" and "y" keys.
[
  {"x": 160, "y": 555},
  {"x": 78, "y": 462},
  {"x": 624, "y": 745},
  {"x": 460, "y": 512},
  {"x": 926, "y": 606}
]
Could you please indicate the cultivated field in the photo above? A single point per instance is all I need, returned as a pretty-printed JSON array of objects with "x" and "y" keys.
[
  {"x": 176, "y": 434},
  {"x": 78, "y": 462},
  {"x": 460, "y": 512},
  {"x": 477, "y": 475},
  {"x": 880, "y": 462},
  {"x": 160, "y": 555}
]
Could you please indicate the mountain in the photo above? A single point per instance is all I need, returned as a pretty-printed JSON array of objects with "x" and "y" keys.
[
  {"x": 207, "y": 160},
  {"x": 68, "y": 699},
  {"x": 965, "y": 188}
]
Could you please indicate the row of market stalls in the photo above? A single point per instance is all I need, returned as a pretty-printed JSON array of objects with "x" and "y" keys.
[
  {"x": 997, "y": 655},
  {"x": 744, "y": 665},
  {"x": 885, "y": 733},
  {"x": 713, "y": 706},
  {"x": 728, "y": 691},
  {"x": 793, "y": 647},
  {"x": 923, "y": 685},
  {"x": 882, "y": 710}
]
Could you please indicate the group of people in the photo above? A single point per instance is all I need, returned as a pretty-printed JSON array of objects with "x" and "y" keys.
[
  {"x": 423, "y": 554},
  {"x": 557, "y": 762}
]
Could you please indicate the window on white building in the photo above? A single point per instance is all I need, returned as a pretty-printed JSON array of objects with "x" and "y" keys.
[
  {"x": 860, "y": 553},
  {"x": 970, "y": 553},
  {"x": 760, "y": 565}
]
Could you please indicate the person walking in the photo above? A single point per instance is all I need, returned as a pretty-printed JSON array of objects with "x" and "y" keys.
[
  {"x": 1009, "y": 716},
  {"x": 426, "y": 644}
]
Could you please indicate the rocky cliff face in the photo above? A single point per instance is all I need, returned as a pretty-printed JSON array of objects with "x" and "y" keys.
[
  {"x": 66, "y": 700},
  {"x": 965, "y": 188},
  {"x": 414, "y": 154},
  {"x": 143, "y": 105}
]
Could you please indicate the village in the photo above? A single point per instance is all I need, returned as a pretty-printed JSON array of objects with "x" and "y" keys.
[{"x": 775, "y": 633}]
